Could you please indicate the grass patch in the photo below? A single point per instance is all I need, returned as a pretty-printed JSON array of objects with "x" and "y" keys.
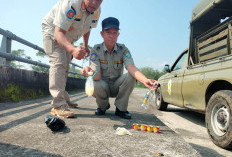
[{"x": 16, "y": 93}]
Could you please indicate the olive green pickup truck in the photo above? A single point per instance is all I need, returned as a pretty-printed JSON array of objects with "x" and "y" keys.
[{"x": 201, "y": 77}]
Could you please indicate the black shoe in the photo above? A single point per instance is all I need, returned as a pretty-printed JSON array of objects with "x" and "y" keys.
[
  {"x": 122, "y": 114},
  {"x": 99, "y": 112}
]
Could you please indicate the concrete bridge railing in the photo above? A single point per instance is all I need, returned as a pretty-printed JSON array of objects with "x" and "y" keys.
[
  {"x": 6, "y": 57},
  {"x": 27, "y": 81}
]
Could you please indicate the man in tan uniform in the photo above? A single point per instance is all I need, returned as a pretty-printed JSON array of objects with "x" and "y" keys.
[
  {"x": 108, "y": 59},
  {"x": 68, "y": 21}
]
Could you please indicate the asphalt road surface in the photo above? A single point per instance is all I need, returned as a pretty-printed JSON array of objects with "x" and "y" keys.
[
  {"x": 24, "y": 133},
  {"x": 191, "y": 127}
]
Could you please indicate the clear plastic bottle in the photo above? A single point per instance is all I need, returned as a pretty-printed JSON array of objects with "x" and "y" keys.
[{"x": 148, "y": 96}]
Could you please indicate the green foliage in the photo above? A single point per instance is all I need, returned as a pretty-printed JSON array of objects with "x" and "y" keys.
[
  {"x": 18, "y": 53},
  {"x": 39, "y": 68},
  {"x": 150, "y": 73},
  {"x": 28, "y": 57},
  {"x": 13, "y": 64},
  {"x": 16, "y": 93},
  {"x": 40, "y": 54}
]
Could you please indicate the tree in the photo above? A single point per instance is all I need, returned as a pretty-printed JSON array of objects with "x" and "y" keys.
[
  {"x": 39, "y": 68},
  {"x": 18, "y": 53},
  {"x": 151, "y": 74},
  {"x": 40, "y": 54}
]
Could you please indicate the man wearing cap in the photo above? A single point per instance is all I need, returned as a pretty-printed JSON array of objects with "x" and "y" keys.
[
  {"x": 108, "y": 58},
  {"x": 68, "y": 21}
]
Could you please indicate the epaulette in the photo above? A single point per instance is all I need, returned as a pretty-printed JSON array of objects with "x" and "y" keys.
[{"x": 120, "y": 46}]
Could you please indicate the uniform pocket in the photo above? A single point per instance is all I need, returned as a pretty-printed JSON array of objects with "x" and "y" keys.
[
  {"x": 77, "y": 25},
  {"x": 104, "y": 66},
  {"x": 117, "y": 66},
  {"x": 48, "y": 44}
]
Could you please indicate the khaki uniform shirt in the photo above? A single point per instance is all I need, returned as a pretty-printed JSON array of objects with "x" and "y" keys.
[
  {"x": 71, "y": 16},
  {"x": 110, "y": 64}
]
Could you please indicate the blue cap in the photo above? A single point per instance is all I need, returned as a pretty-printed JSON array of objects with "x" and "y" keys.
[{"x": 110, "y": 22}]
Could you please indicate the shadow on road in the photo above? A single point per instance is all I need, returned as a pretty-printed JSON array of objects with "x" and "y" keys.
[
  {"x": 14, "y": 123},
  {"x": 195, "y": 117},
  {"x": 21, "y": 110},
  {"x": 204, "y": 151},
  {"x": 10, "y": 105},
  {"x": 65, "y": 130},
  {"x": 137, "y": 117},
  {"x": 13, "y": 150},
  {"x": 80, "y": 98}
]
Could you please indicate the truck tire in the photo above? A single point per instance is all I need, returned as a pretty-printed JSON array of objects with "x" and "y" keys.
[
  {"x": 159, "y": 102},
  {"x": 218, "y": 118}
]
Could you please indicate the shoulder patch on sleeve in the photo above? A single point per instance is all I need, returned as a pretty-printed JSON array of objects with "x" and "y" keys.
[
  {"x": 93, "y": 56},
  {"x": 71, "y": 13},
  {"x": 127, "y": 54}
]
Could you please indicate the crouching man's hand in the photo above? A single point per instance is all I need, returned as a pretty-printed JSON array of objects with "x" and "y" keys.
[
  {"x": 149, "y": 83},
  {"x": 89, "y": 72},
  {"x": 86, "y": 70}
]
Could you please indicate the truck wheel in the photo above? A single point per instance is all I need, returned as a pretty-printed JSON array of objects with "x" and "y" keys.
[
  {"x": 219, "y": 119},
  {"x": 159, "y": 102}
]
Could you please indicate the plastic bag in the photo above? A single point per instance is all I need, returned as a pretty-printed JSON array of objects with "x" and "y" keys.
[
  {"x": 89, "y": 86},
  {"x": 122, "y": 131}
]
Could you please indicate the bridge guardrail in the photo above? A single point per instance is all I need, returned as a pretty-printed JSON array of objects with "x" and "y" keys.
[{"x": 6, "y": 57}]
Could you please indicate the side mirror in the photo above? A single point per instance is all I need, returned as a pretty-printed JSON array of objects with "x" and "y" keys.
[{"x": 166, "y": 68}]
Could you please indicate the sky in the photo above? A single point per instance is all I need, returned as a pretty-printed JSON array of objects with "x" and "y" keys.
[{"x": 155, "y": 31}]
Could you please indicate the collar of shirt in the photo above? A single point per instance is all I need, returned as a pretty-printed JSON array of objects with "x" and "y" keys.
[
  {"x": 83, "y": 8},
  {"x": 106, "y": 50}
]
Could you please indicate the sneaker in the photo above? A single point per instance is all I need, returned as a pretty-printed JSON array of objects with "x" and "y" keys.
[
  {"x": 62, "y": 111},
  {"x": 122, "y": 114},
  {"x": 72, "y": 105}
]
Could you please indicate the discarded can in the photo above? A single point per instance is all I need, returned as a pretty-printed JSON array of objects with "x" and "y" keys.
[
  {"x": 135, "y": 126},
  {"x": 159, "y": 154},
  {"x": 150, "y": 128},
  {"x": 156, "y": 129},
  {"x": 143, "y": 127}
]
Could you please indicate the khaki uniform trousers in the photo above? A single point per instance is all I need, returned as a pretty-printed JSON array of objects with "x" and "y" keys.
[
  {"x": 59, "y": 61},
  {"x": 121, "y": 89}
]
